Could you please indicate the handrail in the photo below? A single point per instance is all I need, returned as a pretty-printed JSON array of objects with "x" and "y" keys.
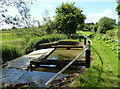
[
  {"x": 87, "y": 50},
  {"x": 84, "y": 36},
  {"x": 89, "y": 41},
  {"x": 61, "y": 71}
]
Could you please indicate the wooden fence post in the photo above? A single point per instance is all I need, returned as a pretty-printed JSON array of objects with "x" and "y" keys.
[
  {"x": 80, "y": 38},
  {"x": 87, "y": 58},
  {"x": 84, "y": 41},
  {"x": 30, "y": 66}
]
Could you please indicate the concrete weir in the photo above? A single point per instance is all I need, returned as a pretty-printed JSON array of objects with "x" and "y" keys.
[
  {"x": 12, "y": 74},
  {"x": 24, "y": 61}
]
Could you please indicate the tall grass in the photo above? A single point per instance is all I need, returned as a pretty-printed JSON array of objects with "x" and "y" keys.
[
  {"x": 16, "y": 42},
  {"x": 10, "y": 52},
  {"x": 33, "y": 44}
]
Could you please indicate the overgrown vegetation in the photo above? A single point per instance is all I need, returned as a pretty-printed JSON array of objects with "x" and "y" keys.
[
  {"x": 16, "y": 44},
  {"x": 34, "y": 43},
  {"x": 9, "y": 52},
  {"x": 69, "y": 19},
  {"x": 105, "y": 24},
  {"x": 104, "y": 69},
  {"x": 109, "y": 39}
]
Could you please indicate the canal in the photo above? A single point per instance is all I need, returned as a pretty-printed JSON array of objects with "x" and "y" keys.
[{"x": 43, "y": 72}]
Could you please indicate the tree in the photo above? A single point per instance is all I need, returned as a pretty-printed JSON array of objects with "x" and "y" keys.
[
  {"x": 118, "y": 7},
  {"x": 48, "y": 25},
  {"x": 68, "y": 17},
  {"x": 118, "y": 11},
  {"x": 95, "y": 27},
  {"x": 105, "y": 24},
  {"x": 21, "y": 19}
]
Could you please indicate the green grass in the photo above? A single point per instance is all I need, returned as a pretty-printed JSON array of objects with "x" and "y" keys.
[
  {"x": 103, "y": 72},
  {"x": 9, "y": 52},
  {"x": 17, "y": 42},
  {"x": 108, "y": 39},
  {"x": 34, "y": 43},
  {"x": 114, "y": 32},
  {"x": 14, "y": 41},
  {"x": 104, "y": 69}
]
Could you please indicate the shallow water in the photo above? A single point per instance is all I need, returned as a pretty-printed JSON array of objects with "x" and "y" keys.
[
  {"x": 13, "y": 75},
  {"x": 63, "y": 54}
]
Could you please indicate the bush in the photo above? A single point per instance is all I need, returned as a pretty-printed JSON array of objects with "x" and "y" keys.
[
  {"x": 10, "y": 52},
  {"x": 106, "y": 24},
  {"x": 33, "y": 44}
]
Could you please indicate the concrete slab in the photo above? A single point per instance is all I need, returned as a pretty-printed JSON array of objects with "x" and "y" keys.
[{"x": 24, "y": 61}]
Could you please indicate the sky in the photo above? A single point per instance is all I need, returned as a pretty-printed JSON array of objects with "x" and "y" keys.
[{"x": 92, "y": 9}]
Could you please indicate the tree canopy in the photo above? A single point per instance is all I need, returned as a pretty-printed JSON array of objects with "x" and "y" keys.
[
  {"x": 118, "y": 11},
  {"x": 105, "y": 24},
  {"x": 22, "y": 17},
  {"x": 68, "y": 17},
  {"x": 118, "y": 7}
]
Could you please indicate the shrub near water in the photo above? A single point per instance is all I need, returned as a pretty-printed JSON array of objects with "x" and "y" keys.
[
  {"x": 33, "y": 44},
  {"x": 10, "y": 52}
]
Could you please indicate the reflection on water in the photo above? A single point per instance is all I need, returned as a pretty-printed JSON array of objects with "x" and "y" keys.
[
  {"x": 52, "y": 58},
  {"x": 63, "y": 54},
  {"x": 70, "y": 70},
  {"x": 13, "y": 75},
  {"x": 35, "y": 75},
  {"x": 48, "y": 66}
]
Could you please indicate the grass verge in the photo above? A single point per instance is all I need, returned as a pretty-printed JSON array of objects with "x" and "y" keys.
[{"x": 104, "y": 69}]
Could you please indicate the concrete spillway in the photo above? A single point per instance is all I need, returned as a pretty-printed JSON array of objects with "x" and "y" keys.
[
  {"x": 10, "y": 74},
  {"x": 24, "y": 61}
]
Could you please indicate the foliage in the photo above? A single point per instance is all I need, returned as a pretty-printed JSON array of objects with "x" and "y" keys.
[
  {"x": 49, "y": 27},
  {"x": 68, "y": 17},
  {"x": 9, "y": 52},
  {"x": 105, "y": 24},
  {"x": 15, "y": 41},
  {"x": 118, "y": 10},
  {"x": 102, "y": 73},
  {"x": 118, "y": 7},
  {"x": 95, "y": 27},
  {"x": 21, "y": 19},
  {"x": 88, "y": 26},
  {"x": 104, "y": 69},
  {"x": 33, "y": 44},
  {"x": 109, "y": 39},
  {"x": 80, "y": 26},
  {"x": 25, "y": 40}
]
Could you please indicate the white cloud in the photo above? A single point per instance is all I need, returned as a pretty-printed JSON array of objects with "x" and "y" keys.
[
  {"x": 106, "y": 12},
  {"x": 94, "y": 17}
]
